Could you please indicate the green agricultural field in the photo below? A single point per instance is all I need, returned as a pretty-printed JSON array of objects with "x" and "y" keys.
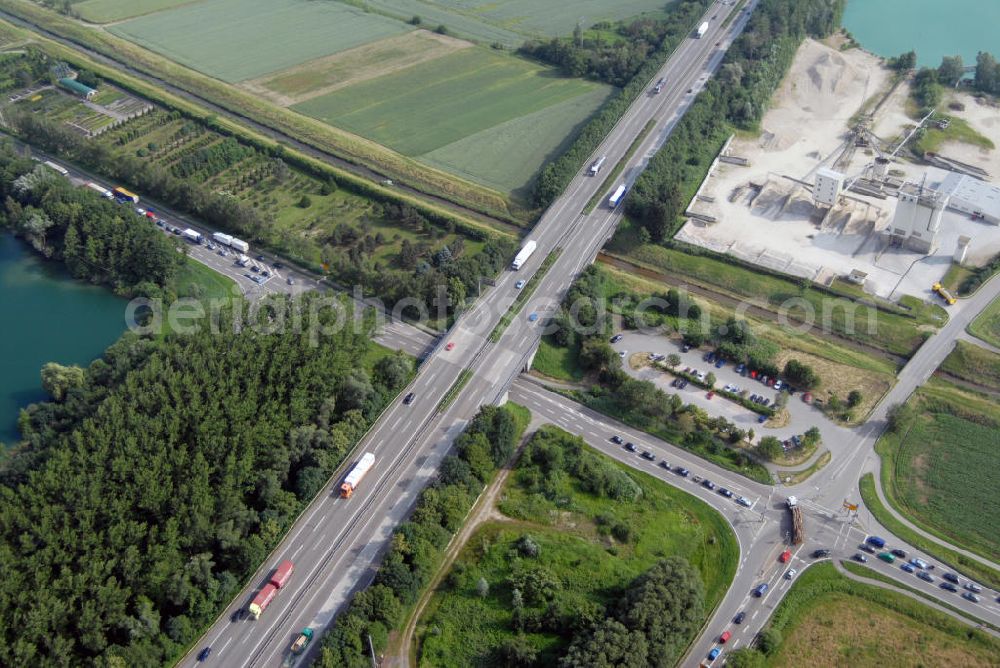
[
  {"x": 242, "y": 39},
  {"x": 987, "y": 325},
  {"x": 974, "y": 364},
  {"x": 462, "y": 25},
  {"x": 106, "y": 11},
  {"x": 527, "y": 18},
  {"x": 507, "y": 156},
  {"x": 439, "y": 103},
  {"x": 828, "y": 620},
  {"x": 594, "y": 547},
  {"x": 943, "y": 462}
]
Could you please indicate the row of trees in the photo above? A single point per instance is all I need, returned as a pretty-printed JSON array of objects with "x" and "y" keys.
[
  {"x": 164, "y": 473},
  {"x": 986, "y": 77},
  {"x": 552, "y": 180},
  {"x": 97, "y": 240},
  {"x": 417, "y": 544},
  {"x": 753, "y": 68}
]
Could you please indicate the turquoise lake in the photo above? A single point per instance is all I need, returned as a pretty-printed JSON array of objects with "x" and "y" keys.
[
  {"x": 47, "y": 317},
  {"x": 933, "y": 28}
]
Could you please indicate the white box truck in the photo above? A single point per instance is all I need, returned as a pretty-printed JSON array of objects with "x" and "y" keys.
[
  {"x": 523, "y": 255},
  {"x": 98, "y": 188},
  {"x": 350, "y": 483},
  {"x": 617, "y": 196},
  {"x": 702, "y": 29},
  {"x": 596, "y": 165},
  {"x": 192, "y": 236},
  {"x": 239, "y": 245},
  {"x": 223, "y": 239}
]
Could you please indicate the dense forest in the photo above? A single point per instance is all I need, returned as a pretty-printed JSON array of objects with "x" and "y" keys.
[
  {"x": 162, "y": 475},
  {"x": 737, "y": 97},
  {"x": 418, "y": 544},
  {"x": 98, "y": 240},
  {"x": 680, "y": 20}
]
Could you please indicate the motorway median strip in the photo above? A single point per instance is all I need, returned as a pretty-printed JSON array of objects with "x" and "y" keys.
[
  {"x": 618, "y": 168},
  {"x": 456, "y": 387},
  {"x": 524, "y": 295}
]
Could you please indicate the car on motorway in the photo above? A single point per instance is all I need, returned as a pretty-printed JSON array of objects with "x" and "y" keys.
[
  {"x": 785, "y": 556},
  {"x": 533, "y": 317},
  {"x": 408, "y": 399},
  {"x": 616, "y": 338},
  {"x": 925, "y": 576},
  {"x": 450, "y": 346},
  {"x": 860, "y": 558},
  {"x": 235, "y": 617},
  {"x": 969, "y": 596},
  {"x": 908, "y": 567},
  {"x": 519, "y": 284},
  {"x": 203, "y": 654},
  {"x": 875, "y": 541},
  {"x": 820, "y": 553},
  {"x": 740, "y": 616},
  {"x": 665, "y": 464},
  {"x": 899, "y": 553},
  {"x": 630, "y": 446},
  {"x": 714, "y": 654},
  {"x": 648, "y": 456},
  {"x": 886, "y": 557},
  {"x": 761, "y": 589},
  {"x": 950, "y": 577},
  {"x": 616, "y": 439},
  {"x": 696, "y": 478},
  {"x": 867, "y": 548},
  {"x": 790, "y": 573},
  {"x": 919, "y": 563},
  {"x": 726, "y": 635},
  {"x": 973, "y": 587},
  {"x": 681, "y": 471},
  {"x": 725, "y": 492},
  {"x": 744, "y": 501},
  {"x": 708, "y": 483},
  {"x": 949, "y": 586}
]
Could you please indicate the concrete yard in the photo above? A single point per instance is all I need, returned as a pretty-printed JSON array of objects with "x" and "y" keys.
[{"x": 764, "y": 212}]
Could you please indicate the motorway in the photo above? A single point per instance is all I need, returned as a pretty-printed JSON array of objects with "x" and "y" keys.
[{"x": 335, "y": 544}]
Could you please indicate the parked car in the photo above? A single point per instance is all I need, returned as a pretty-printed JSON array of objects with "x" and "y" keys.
[
  {"x": 719, "y": 363},
  {"x": 741, "y": 369},
  {"x": 616, "y": 338},
  {"x": 711, "y": 393},
  {"x": 450, "y": 346},
  {"x": 777, "y": 384}
]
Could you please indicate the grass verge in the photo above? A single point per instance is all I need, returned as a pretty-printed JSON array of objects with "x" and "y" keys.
[
  {"x": 558, "y": 362},
  {"x": 974, "y": 364},
  {"x": 795, "y": 477},
  {"x": 970, "y": 567},
  {"x": 987, "y": 325},
  {"x": 456, "y": 387}
]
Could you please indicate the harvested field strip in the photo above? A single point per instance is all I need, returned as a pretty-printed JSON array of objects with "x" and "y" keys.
[
  {"x": 434, "y": 104},
  {"x": 327, "y": 74},
  {"x": 463, "y": 25},
  {"x": 240, "y": 39}
]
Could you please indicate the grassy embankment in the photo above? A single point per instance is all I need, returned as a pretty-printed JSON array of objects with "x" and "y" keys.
[
  {"x": 592, "y": 545},
  {"x": 987, "y": 325},
  {"x": 829, "y": 620},
  {"x": 974, "y": 364}
]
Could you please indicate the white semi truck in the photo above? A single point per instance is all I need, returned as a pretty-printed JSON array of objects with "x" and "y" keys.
[
  {"x": 359, "y": 471},
  {"x": 523, "y": 255},
  {"x": 617, "y": 196},
  {"x": 192, "y": 236},
  {"x": 702, "y": 29}
]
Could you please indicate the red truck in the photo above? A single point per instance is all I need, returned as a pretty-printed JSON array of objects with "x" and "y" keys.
[{"x": 270, "y": 590}]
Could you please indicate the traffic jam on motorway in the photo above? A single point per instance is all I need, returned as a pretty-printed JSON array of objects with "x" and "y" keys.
[{"x": 223, "y": 245}]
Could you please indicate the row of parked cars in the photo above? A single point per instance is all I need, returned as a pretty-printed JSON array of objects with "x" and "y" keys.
[
  {"x": 919, "y": 567},
  {"x": 681, "y": 471}
]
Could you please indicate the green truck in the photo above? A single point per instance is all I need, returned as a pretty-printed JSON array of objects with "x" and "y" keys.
[{"x": 300, "y": 643}]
